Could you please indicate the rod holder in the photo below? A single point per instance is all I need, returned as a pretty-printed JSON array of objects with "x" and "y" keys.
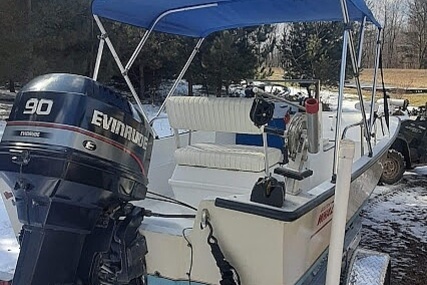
[{"x": 313, "y": 126}]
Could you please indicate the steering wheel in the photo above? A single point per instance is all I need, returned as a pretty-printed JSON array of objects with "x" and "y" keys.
[{"x": 261, "y": 111}]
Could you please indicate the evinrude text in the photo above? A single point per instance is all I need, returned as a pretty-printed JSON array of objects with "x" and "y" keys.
[{"x": 117, "y": 127}]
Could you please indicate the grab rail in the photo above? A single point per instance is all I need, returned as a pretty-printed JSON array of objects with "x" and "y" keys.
[{"x": 360, "y": 124}]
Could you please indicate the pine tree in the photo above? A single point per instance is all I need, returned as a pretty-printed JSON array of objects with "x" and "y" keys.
[
  {"x": 161, "y": 57},
  {"x": 230, "y": 56},
  {"x": 312, "y": 51},
  {"x": 16, "y": 45},
  {"x": 62, "y": 37},
  {"x": 43, "y": 36}
]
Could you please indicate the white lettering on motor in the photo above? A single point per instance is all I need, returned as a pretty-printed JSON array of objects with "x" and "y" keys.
[
  {"x": 29, "y": 134},
  {"x": 116, "y": 126},
  {"x": 97, "y": 118},
  {"x": 41, "y": 107}
]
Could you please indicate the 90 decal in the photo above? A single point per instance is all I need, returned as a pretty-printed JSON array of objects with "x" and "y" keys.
[{"x": 41, "y": 107}]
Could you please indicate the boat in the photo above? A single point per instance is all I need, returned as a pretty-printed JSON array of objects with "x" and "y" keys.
[{"x": 104, "y": 199}]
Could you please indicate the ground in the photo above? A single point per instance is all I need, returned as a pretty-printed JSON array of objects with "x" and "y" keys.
[
  {"x": 395, "y": 222},
  {"x": 402, "y": 78}
]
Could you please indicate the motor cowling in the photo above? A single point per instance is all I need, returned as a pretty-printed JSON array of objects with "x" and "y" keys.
[{"x": 75, "y": 153}]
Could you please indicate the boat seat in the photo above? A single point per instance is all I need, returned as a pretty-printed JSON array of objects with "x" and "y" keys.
[
  {"x": 229, "y": 157},
  {"x": 229, "y": 115}
]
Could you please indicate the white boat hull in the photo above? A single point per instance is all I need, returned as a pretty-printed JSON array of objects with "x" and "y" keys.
[{"x": 266, "y": 245}]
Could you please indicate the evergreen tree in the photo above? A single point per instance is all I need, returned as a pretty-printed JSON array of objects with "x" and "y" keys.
[
  {"x": 161, "y": 57},
  {"x": 42, "y": 36},
  {"x": 15, "y": 44},
  {"x": 312, "y": 51},
  {"x": 264, "y": 38},
  {"x": 63, "y": 37},
  {"x": 228, "y": 57}
]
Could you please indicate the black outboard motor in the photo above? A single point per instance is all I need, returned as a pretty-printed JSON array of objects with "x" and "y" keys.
[{"x": 75, "y": 153}]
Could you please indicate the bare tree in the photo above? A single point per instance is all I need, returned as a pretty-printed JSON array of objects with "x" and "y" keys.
[
  {"x": 417, "y": 30},
  {"x": 392, "y": 15},
  {"x": 393, "y": 32}
]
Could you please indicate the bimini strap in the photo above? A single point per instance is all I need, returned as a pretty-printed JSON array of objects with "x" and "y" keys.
[
  {"x": 386, "y": 111},
  {"x": 229, "y": 275}
]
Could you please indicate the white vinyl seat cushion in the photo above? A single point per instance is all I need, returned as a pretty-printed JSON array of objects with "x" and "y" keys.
[
  {"x": 229, "y": 157},
  {"x": 229, "y": 115}
]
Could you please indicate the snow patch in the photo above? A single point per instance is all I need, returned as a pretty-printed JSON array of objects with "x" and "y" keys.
[
  {"x": 394, "y": 223},
  {"x": 5, "y": 110},
  {"x": 161, "y": 123},
  {"x": 9, "y": 248}
]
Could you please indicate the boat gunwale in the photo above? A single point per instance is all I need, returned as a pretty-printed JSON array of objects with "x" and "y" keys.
[{"x": 288, "y": 216}]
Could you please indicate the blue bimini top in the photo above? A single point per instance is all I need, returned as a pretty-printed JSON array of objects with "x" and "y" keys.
[{"x": 199, "y": 18}]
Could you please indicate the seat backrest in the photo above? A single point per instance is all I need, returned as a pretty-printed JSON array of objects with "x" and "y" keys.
[{"x": 229, "y": 115}]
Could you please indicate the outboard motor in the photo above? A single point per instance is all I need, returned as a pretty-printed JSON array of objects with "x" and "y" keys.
[{"x": 75, "y": 154}]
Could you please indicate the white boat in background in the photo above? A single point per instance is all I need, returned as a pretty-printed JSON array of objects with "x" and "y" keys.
[{"x": 105, "y": 200}]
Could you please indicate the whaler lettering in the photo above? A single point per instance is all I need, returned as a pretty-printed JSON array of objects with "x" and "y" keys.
[
  {"x": 325, "y": 213},
  {"x": 119, "y": 128}
]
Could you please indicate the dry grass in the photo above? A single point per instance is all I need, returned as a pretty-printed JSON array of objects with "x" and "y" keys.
[
  {"x": 400, "y": 78},
  {"x": 277, "y": 73},
  {"x": 416, "y": 100}
]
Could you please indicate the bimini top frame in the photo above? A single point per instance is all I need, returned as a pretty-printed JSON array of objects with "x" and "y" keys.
[{"x": 199, "y": 18}]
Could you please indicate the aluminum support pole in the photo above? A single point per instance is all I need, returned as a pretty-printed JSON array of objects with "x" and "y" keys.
[
  {"x": 265, "y": 146},
  {"x": 359, "y": 92},
  {"x": 99, "y": 56},
  {"x": 138, "y": 49},
  {"x": 362, "y": 147},
  {"x": 361, "y": 40},
  {"x": 120, "y": 65},
  {"x": 340, "y": 101},
  {"x": 180, "y": 76},
  {"x": 353, "y": 58},
  {"x": 374, "y": 87},
  {"x": 153, "y": 25}
]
